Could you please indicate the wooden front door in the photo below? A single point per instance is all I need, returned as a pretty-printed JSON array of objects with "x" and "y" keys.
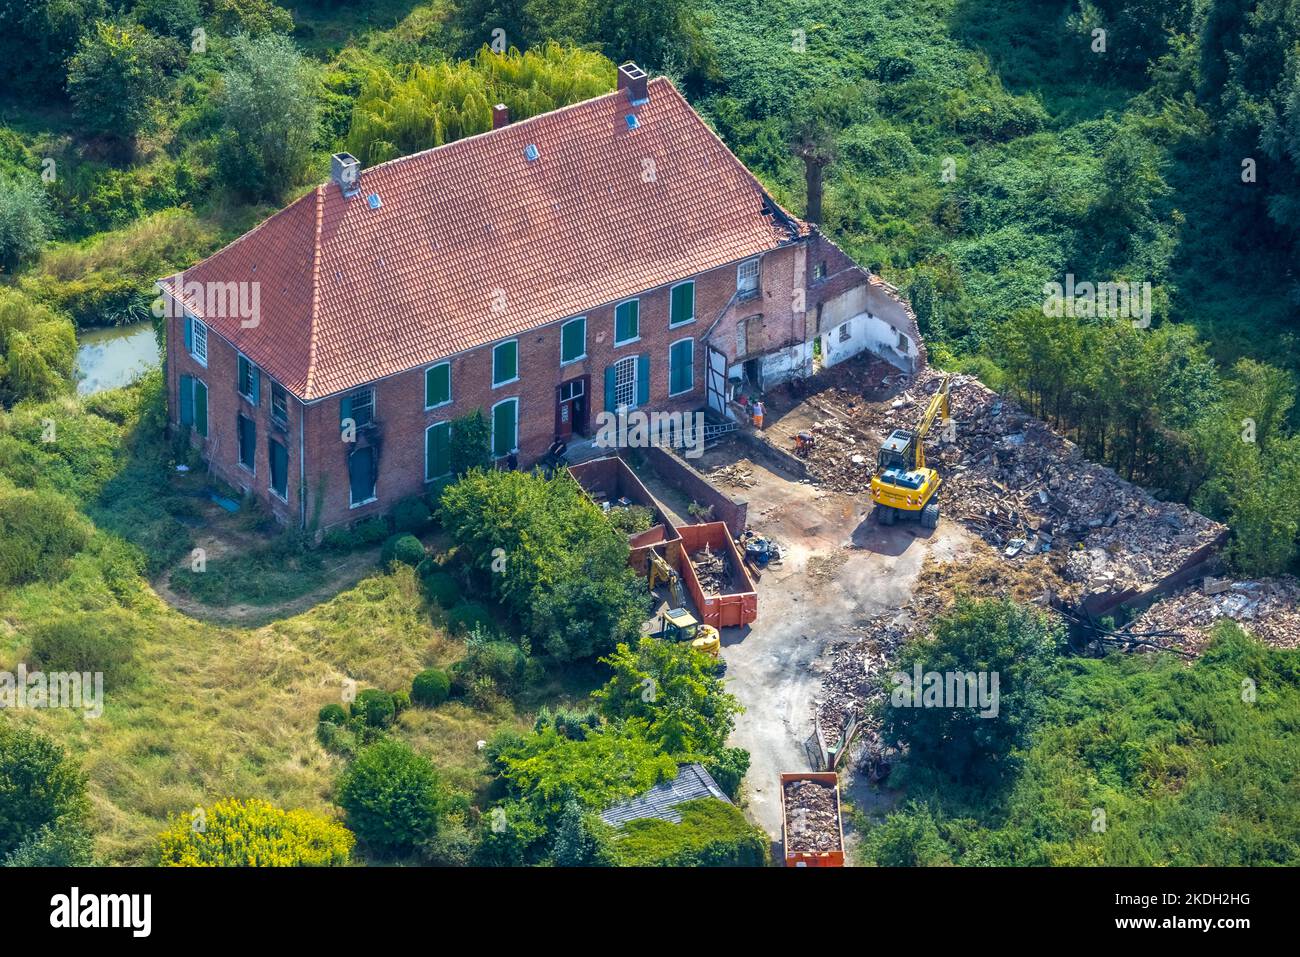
[{"x": 571, "y": 408}]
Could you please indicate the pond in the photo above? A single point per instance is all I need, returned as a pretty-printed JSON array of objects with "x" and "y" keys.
[{"x": 112, "y": 357}]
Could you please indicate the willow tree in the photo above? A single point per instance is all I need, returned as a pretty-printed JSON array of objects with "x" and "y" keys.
[{"x": 438, "y": 103}]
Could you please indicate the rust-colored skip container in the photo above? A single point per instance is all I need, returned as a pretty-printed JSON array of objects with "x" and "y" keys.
[
  {"x": 738, "y": 606},
  {"x": 833, "y": 857}
]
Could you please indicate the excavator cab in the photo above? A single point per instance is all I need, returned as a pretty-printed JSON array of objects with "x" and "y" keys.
[{"x": 904, "y": 487}]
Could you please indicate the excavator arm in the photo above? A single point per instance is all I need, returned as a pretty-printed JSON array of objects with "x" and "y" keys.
[{"x": 938, "y": 408}]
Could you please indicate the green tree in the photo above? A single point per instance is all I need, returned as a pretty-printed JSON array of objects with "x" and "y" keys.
[
  {"x": 676, "y": 691},
  {"x": 38, "y": 36},
  {"x": 471, "y": 438},
  {"x": 393, "y": 799},
  {"x": 114, "y": 78},
  {"x": 24, "y": 220},
  {"x": 974, "y": 743},
  {"x": 551, "y": 558},
  {"x": 269, "y": 113},
  {"x": 40, "y": 787}
]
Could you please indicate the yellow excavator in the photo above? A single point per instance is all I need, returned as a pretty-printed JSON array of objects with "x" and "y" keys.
[{"x": 904, "y": 487}]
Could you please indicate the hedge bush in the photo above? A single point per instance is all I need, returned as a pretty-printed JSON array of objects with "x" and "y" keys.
[
  {"x": 411, "y": 515},
  {"x": 332, "y": 714},
  {"x": 469, "y": 616},
  {"x": 430, "y": 688},
  {"x": 375, "y": 707},
  {"x": 404, "y": 548},
  {"x": 442, "y": 589},
  {"x": 392, "y": 797}
]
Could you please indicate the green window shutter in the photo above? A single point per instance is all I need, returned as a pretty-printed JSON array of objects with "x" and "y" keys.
[
  {"x": 682, "y": 308},
  {"x": 627, "y": 321},
  {"x": 503, "y": 428},
  {"x": 437, "y": 385},
  {"x": 611, "y": 393},
  {"x": 189, "y": 334},
  {"x": 643, "y": 378},
  {"x": 256, "y": 373},
  {"x": 505, "y": 362},
  {"x": 681, "y": 367},
  {"x": 345, "y": 408},
  {"x": 241, "y": 370},
  {"x": 279, "y": 468},
  {"x": 361, "y": 475},
  {"x": 201, "y": 408},
  {"x": 437, "y": 451},
  {"x": 573, "y": 340},
  {"x": 187, "y": 400}
]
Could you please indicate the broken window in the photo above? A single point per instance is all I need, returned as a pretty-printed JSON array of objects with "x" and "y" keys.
[
  {"x": 279, "y": 405},
  {"x": 361, "y": 476},
  {"x": 359, "y": 407},
  {"x": 248, "y": 380},
  {"x": 247, "y": 442},
  {"x": 279, "y": 457},
  {"x": 747, "y": 277}
]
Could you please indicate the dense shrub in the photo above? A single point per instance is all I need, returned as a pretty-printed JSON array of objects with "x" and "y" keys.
[
  {"x": 95, "y": 641},
  {"x": 39, "y": 532},
  {"x": 253, "y": 833},
  {"x": 37, "y": 348},
  {"x": 392, "y": 798},
  {"x": 375, "y": 707},
  {"x": 39, "y": 786},
  {"x": 404, "y": 548},
  {"x": 442, "y": 589},
  {"x": 468, "y": 617},
  {"x": 24, "y": 220},
  {"x": 332, "y": 713},
  {"x": 430, "y": 688},
  {"x": 411, "y": 515}
]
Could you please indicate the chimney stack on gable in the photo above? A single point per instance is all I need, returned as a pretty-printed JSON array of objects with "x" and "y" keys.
[
  {"x": 500, "y": 116},
  {"x": 633, "y": 79},
  {"x": 345, "y": 171}
]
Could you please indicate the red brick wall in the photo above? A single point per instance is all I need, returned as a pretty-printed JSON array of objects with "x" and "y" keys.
[
  {"x": 221, "y": 447},
  {"x": 399, "y": 400}
]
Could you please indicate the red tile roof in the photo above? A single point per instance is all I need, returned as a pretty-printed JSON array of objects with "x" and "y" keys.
[{"x": 473, "y": 243}]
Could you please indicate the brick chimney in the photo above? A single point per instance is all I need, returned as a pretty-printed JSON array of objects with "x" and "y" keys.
[
  {"x": 633, "y": 79},
  {"x": 345, "y": 172},
  {"x": 500, "y": 116}
]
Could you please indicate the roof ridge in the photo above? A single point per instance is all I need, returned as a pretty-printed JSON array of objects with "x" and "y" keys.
[
  {"x": 513, "y": 125},
  {"x": 315, "y": 293}
]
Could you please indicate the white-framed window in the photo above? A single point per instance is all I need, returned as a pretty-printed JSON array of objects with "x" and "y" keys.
[
  {"x": 846, "y": 332},
  {"x": 505, "y": 363},
  {"x": 199, "y": 342},
  {"x": 625, "y": 376},
  {"x": 359, "y": 406},
  {"x": 681, "y": 367},
  {"x": 747, "y": 277},
  {"x": 681, "y": 303},
  {"x": 627, "y": 322},
  {"x": 505, "y": 427},
  {"x": 573, "y": 340},
  {"x": 248, "y": 379},
  {"x": 437, "y": 385}
]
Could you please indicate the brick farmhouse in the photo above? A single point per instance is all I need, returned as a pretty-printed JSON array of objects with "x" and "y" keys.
[{"x": 613, "y": 253}]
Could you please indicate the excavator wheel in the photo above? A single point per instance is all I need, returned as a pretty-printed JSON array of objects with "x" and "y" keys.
[
  {"x": 930, "y": 515},
  {"x": 885, "y": 514}
]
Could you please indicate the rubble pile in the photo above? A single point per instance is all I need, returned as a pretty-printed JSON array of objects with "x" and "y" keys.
[
  {"x": 713, "y": 569},
  {"x": 1269, "y": 608},
  {"x": 812, "y": 825},
  {"x": 857, "y": 672},
  {"x": 1013, "y": 481}
]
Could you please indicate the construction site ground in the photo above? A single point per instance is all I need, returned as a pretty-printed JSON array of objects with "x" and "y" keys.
[
  {"x": 839, "y": 571},
  {"x": 1025, "y": 516}
]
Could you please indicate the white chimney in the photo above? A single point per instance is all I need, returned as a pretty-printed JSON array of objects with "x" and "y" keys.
[{"x": 345, "y": 171}]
